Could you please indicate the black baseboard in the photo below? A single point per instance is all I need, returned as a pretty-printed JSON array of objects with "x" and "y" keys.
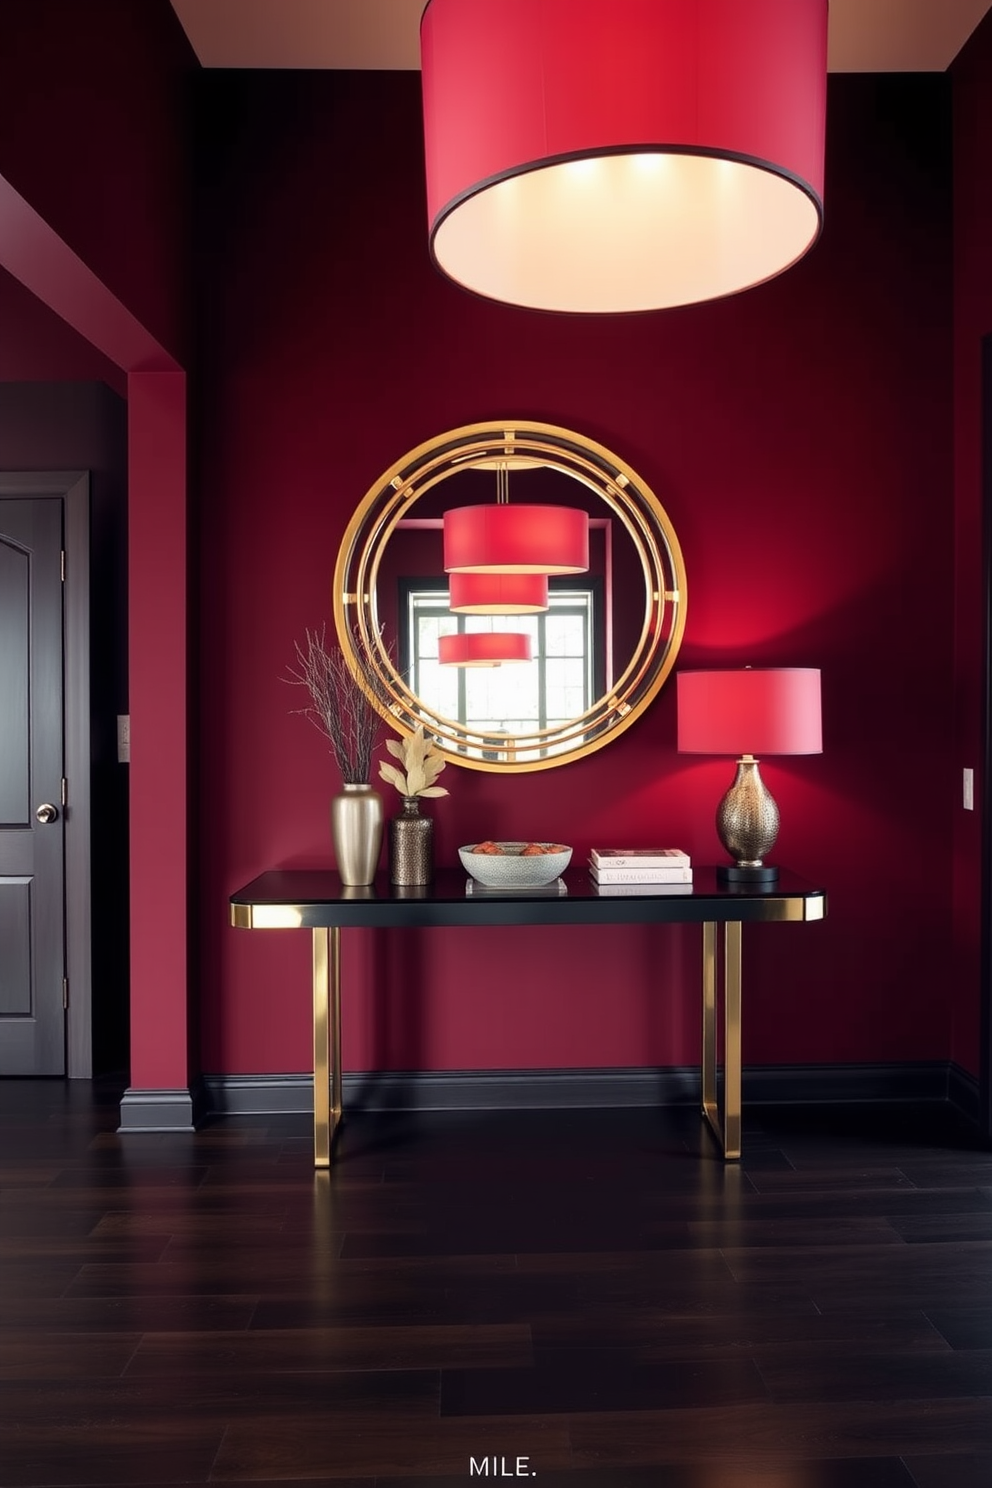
[
  {"x": 493, "y": 1090},
  {"x": 458, "y": 1090},
  {"x": 798, "y": 1084},
  {"x": 964, "y": 1092},
  {"x": 179, "y": 1110}
]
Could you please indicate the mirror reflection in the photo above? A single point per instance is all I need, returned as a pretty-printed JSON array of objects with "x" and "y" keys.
[{"x": 598, "y": 652}]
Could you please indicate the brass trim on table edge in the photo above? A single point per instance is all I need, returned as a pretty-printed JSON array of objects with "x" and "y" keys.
[
  {"x": 268, "y": 916},
  {"x": 794, "y": 908}
]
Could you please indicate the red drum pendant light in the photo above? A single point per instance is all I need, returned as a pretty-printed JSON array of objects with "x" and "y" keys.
[
  {"x": 622, "y": 155},
  {"x": 498, "y": 593},
  {"x": 483, "y": 648}
]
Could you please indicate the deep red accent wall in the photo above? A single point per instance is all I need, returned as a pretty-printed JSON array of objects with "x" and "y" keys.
[
  {"x": 48, "y": 266},
  {"x": 94, "y": 111},
  {"x": 157, "y": 631},
  {"x": 799, "y": 436},
  {"x": 37, "y": 346},
  {"x": 94, "y": 195},
  {"x": 972, "y": 81}
]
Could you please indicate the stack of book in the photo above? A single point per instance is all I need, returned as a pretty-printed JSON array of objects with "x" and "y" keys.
[{"x": 620, "y": 870}]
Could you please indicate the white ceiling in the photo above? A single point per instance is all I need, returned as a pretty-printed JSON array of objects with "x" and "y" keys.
[{"x": 865, "y": 35}]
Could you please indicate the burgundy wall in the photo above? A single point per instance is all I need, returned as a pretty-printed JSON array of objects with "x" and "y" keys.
[
  {"x": 37, "y": 346},
  {"x": 972, "y": 80},
  {"x": 94, "y": 175},
  {"x": 94, "y": 106},
  {"x": 799, "y": 437}
]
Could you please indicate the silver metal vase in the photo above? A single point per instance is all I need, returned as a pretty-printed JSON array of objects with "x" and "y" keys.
[
  {"x": 356, "y": 831},
  {"x": 411, "y": 845}
]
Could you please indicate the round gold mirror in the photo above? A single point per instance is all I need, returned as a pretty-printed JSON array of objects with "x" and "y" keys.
[{"x": 599, "y": 651}]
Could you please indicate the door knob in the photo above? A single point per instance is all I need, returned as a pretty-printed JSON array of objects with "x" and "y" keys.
[{"x": 47, "y": 813}]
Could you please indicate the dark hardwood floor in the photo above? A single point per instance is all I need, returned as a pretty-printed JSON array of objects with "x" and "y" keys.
[{"x": 591, "y": 1297}]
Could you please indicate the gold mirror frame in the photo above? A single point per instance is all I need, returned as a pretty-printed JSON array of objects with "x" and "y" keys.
[{"x": 483, "y": 446}]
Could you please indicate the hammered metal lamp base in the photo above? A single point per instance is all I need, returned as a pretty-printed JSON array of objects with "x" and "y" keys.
[{"x": 747, "y": 823}]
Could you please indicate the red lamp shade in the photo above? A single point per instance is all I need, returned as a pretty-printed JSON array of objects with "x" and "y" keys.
[
  {"x": 483, "y": 648},
  {"x": 505, "y": 538},
  {"x": 498, "y": 593},
  {"x": 621, "y": 155},
  {"x": 759, "y": 710}
]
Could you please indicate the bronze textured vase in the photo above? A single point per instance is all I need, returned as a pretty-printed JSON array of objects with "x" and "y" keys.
[
  {"x": 356, "y": 832},
  {"x": 411, "y": 845}
]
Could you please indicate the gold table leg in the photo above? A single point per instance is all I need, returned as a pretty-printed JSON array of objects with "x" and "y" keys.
[
  {"x": 732, "y": 1039},
  {"x": 725, "y": 1124},
  {"x": 708, "y": 1069},
  {"x": 326, "y": 1040}
]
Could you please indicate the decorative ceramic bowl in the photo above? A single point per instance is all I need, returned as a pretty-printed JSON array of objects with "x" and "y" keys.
[{"x": 508, "y": 870}]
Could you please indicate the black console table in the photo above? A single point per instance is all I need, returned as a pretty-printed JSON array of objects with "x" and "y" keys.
[{"x": 317, "y": 901}]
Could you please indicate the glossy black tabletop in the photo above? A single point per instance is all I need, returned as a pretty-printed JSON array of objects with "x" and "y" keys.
[{"x": 308, "y": 898}]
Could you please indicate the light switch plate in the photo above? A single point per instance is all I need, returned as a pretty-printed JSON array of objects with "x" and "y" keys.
[{"x": 968, "y": 790}]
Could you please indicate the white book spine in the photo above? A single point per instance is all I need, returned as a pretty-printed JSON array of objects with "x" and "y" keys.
[
  {"x": 644, "y": 888},
  {"x": 667, "y": 858},
  {"x": 640, "y": 875}
]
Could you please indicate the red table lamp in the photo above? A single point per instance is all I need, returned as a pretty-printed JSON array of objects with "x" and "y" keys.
[{"x": 749, "y": 712}]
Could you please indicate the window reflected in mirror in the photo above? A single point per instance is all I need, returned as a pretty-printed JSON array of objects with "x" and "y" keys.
[{"x": 497, "y": 704}]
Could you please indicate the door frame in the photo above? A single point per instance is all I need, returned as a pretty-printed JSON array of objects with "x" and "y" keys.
[
  {"x": 73, "y": 488},
  {"x": 985, "y": 887}
]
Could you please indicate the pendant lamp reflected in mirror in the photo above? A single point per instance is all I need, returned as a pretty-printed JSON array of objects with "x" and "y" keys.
[
  {"x": 498, "y": 593},
  {"x": 510, "y": 538},
  {"x": 514, "y": 539},
  {"x": 483, "y": 648},
  {"x": 622, "y": 155}
]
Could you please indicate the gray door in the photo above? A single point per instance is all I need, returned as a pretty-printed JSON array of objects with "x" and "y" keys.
[{"x": 32, "y": 847}]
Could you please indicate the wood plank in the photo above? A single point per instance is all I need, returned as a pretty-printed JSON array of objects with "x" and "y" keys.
[{"x": 503, "y": 1345}]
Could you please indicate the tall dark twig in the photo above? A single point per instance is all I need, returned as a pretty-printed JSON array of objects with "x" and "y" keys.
[{"x": 342, "y": 706}]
